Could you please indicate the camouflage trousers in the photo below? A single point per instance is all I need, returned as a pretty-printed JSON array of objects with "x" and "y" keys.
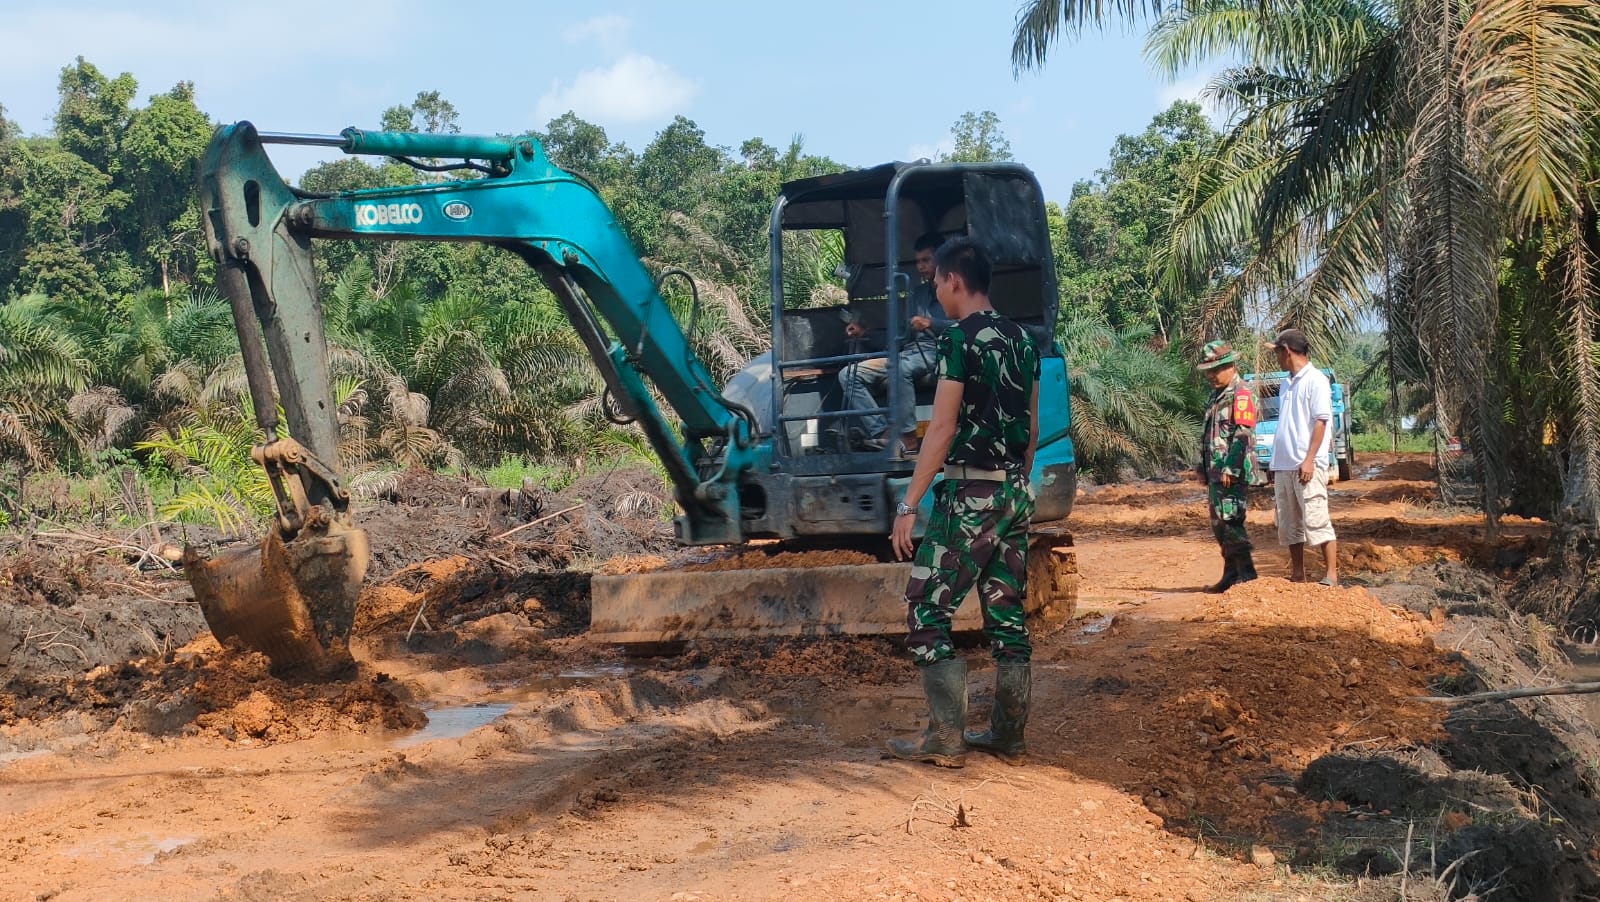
[
  {"x": 1227, "y": 508},
  {"x": 978, "y": 535}
]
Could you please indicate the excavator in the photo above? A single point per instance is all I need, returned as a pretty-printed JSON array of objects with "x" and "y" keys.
[{"x": 765, "y": 457}]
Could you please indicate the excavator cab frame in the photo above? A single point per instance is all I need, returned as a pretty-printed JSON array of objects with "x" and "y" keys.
[{"x": 880, "y": 212}]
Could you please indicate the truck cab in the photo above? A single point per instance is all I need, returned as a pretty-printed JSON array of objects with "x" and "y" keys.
[
  {"x": 874, "y": 216},
  {"x": 1265, "y": 386}
]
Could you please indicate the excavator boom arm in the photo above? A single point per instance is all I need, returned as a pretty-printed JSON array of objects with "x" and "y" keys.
[
  {"x": 259, "y": 231},
  {"x": 294, "y": 597}
]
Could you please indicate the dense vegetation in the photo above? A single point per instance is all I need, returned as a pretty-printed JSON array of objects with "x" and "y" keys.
[{"x": 116, "y": 351}]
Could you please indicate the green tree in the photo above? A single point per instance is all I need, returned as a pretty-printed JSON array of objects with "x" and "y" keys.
[
  {"x": 41, "y": 367},
  {"x": 160, "y": 146},
  {"x": 978, "y": 139},
  {"x": 1133, "y": 406},
  {"x": 93, "y": 114},
  {"x": 1397, "y": 145},
  {"x": 429, "y": 112},
  {"x": 1114, "y": 225}
]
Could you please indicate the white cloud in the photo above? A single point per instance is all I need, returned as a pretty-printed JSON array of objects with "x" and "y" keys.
[
  {"x": 636, "y": 88},
  {"x": 940, "y": 148},
  {"x": 1192, "y": 88},
  {"x": 609, "y": 31}
]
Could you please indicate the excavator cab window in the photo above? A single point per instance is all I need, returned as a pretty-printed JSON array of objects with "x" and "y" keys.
[{"x": 871, "y": 219}]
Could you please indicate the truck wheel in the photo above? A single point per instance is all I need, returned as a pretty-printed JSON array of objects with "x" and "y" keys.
[{"x": 1345, "y": 468}]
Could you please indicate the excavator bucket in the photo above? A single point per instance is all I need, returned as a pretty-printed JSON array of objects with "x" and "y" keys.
[
  {"x": 860, "y": 599},
  {"x": 294, "y": 602}
]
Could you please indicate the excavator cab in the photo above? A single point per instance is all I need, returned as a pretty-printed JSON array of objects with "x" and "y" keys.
[{"x": 874, "y": 216}]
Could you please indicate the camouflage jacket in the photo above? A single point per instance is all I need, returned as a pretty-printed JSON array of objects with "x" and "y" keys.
[
  {"x": 1229, "y": 435},
  {"x": 997, "y": 363}
]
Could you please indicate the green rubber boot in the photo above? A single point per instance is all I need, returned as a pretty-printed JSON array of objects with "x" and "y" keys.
[
  {"x": 1245, "y": 566},
  {"x": 1230, "y": 575},
  {"x": 1013, "y": 687},
  {"x": 945, "y": 684}
]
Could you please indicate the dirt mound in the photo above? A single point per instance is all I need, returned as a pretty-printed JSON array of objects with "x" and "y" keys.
[
  {"x": 633, "y": 563},
  {"x": 427, "y": 516},
  {"x": 1415, "y": 468},
  {"x": 474, "y": 612},
  {"x": 1278, "y": 602},
  {"x": 1276, "y": 675},
  {"x": 1417, "y": 493},
  {"x": 1142, "y": 495},
  {"x": 64, "y": 613},
  {"x": 619, "y": 512},
  {"x": 1372, "y": 557},
  {"x": 207, "y": 690}
]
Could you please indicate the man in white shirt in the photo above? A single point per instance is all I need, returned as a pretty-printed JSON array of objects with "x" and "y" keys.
[{"x": 1300, "y": 457}]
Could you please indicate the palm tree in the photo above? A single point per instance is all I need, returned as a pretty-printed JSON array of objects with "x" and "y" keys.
[
  {"x": 1366, "y": 133},
  {"x": 41, "y": 367},
  {"x": 1132, "y": 406}
]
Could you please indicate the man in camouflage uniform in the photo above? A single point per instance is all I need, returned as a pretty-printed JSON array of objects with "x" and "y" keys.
[
  {"x": 1225, "y": 447},
  {"x": 982, "y": 435}
]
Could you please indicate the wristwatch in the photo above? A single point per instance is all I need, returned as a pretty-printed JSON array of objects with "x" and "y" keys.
[{"x": 904, "y": 510}]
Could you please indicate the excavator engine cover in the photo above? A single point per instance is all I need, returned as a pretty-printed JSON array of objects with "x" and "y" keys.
[{"x": 292, "y": 601}]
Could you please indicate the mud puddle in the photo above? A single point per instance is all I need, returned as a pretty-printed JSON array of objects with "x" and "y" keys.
[
  {"x": 1093, "y": 628},
  {"x": 458, "y": 718},
  {"x": 138, "y": 851},
  {"x": 452, "y": 722}
]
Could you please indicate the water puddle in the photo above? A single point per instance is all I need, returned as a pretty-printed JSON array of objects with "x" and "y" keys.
[
  {"x": 1370, "y": 473},
  {"x": 138, "y": 851},
  {"x": 452, "y": 722},
  {"x": 536, "y": 687},
  {"x": 1095, "y": 627}
]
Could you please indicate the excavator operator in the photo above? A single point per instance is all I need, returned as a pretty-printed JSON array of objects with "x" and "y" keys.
[{"x": 866, "y": 381}]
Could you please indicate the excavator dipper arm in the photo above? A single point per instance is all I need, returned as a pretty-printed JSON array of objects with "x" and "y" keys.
[{"x": 294, "y": 597}]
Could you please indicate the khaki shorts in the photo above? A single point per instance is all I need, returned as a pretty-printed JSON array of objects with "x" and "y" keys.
[{"x": 1302, "y": 508}]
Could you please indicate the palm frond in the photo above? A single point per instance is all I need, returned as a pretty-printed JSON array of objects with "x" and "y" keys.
[{"x": 1532, "y": 86}]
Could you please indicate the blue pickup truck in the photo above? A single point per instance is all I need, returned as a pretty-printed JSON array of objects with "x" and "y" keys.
[{"x": 1341, "y": 455}]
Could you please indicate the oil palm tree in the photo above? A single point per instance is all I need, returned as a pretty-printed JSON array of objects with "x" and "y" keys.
[
  {"x": 1366, "y": 133},
  {"x": 1131, "y": 404},
  {"x": 41, "y": 367}
]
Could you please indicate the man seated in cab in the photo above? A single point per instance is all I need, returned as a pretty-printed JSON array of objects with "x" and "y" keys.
[{"x": 866, "y": 382}]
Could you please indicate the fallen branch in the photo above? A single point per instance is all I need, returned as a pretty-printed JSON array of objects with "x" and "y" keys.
[
  {"x": 143, "y": 554},
  {"x": 1503, "y": 694},
  {"x": 419, "y": 619},
  {"x": 531, "y": 523}
]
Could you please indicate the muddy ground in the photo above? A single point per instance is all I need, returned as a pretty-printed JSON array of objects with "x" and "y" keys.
[{"x": 1263, "y": 744}]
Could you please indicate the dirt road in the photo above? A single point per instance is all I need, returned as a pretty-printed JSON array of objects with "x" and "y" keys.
[{"x": 1170, "y": 733}]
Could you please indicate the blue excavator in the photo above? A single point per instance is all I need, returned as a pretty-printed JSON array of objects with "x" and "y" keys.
[{"x": 768, "y": 456}]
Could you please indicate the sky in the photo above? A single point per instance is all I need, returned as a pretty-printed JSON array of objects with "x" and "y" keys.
[{"x": 861, "y": 82}]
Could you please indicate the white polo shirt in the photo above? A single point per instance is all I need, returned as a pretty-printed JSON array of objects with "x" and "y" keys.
[{"x": 1305, "y": 398}]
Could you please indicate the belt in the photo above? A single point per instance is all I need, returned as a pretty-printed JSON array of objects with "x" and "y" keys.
[{"x": 962, "y": 471}]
